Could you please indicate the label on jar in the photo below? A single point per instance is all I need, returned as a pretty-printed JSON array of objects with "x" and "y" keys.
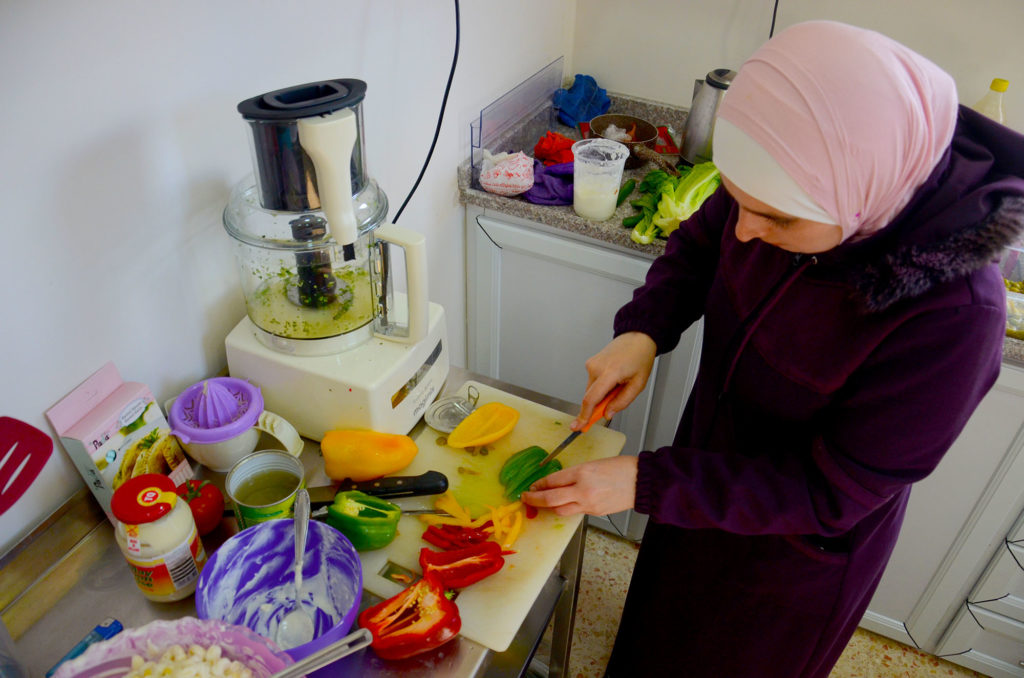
[{"x": 173, "y": 571}]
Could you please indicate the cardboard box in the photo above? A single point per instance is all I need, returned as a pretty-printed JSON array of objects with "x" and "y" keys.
[{"x": 114, "y": 430}]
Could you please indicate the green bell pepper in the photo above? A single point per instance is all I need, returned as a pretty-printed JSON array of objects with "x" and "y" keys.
[
  {"x": 369, "y": 522},
  {"x": 522, "y": 470}
]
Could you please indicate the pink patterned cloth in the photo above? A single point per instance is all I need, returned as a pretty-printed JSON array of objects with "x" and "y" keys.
[{"x": 857, "y": 120}]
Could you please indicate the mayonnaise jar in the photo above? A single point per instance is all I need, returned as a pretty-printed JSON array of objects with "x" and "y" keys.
[{"x": 158, "y": 537}]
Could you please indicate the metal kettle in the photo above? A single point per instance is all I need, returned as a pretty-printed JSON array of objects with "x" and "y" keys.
[{"x": 700, "y": 122}]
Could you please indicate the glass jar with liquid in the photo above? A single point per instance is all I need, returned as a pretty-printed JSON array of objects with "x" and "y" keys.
[{"x": 263, "y": 485}]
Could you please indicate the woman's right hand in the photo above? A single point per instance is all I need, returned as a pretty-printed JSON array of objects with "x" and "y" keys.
[{"x": 627, "y": 360}]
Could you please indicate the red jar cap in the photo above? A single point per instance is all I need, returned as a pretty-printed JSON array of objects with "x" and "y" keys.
[{"x": 143, "y": 499}]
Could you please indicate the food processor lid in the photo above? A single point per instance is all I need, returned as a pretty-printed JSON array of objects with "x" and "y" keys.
[
  {"x": 304, "y": 101},
  {"x": 247, "y": 221},
  {"x": 215, "y": 410}
]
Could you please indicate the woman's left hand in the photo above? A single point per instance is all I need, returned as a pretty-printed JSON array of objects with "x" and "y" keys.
[{"x": 596, "y": 487}]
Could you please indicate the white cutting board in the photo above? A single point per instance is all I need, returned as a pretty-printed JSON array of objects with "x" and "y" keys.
[{"x": 492, "y": 610}]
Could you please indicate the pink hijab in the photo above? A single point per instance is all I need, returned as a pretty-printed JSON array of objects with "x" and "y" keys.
[{"x": 856, "y": 119}]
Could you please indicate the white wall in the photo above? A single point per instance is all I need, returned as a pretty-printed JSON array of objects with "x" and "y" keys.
[
  {"x": 656, "y": 48},
  {"x": 121, "y": 141}
]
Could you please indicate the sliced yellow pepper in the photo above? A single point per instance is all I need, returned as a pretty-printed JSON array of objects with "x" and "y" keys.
[
  {"x": 448, "y": 502},
  {"x": 513, "y": 533},
  {"x": 484, "y": 425}
]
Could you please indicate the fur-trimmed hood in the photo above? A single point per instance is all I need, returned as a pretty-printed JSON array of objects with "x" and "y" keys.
[{"x": 967, "y": 212}]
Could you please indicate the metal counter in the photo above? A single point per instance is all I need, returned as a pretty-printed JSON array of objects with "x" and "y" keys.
[{"x": 101, "y": 586}]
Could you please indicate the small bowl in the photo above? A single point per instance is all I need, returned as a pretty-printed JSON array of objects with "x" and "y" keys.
[
  {"x": 249, "y": 581},
  {"x": 646, "y": 135},
  {"x": 113, "y": 658}
]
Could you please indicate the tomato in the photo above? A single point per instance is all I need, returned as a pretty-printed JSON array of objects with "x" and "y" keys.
[{"x": 206, "y": 502}]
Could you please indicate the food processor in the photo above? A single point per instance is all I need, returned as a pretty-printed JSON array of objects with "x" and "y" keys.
[{"x": 326, "y": 337}]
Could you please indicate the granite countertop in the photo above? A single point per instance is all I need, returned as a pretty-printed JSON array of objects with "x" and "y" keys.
[
  {"x": 562, "y": 217},
  {"x": 610, "y": 233}
]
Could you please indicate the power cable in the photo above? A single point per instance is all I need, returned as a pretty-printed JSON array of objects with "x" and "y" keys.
[{"x": 440, "y": 116}]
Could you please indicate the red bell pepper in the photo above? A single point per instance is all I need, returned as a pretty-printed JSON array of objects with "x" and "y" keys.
[
  {"x": 459, "y": 568},
  {"x": 448, "y": 537},
  {"x": 416, "y": 620}
]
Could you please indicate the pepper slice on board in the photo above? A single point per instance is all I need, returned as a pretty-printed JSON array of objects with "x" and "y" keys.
[
  {"x": 459, "y": 568},
  {"x": 369, "y": 522},
  {"x": 522, "y": 470},
  {"x": 416, "y": 620},
  {"x": 484, "y": 425},
  {"x": 449, "y": 537}
]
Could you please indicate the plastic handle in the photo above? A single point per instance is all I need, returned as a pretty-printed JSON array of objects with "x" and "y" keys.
[
  {"x": 601, "y": 407},
  {"x": 415, "y": 248},
  {"x": 356, "y": 640},
  {"x": 278, "y": 426},
  {"x": 329, "y": 140}
]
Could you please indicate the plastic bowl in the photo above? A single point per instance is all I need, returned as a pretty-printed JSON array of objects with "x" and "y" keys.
[
  {"x": 249, "y": 581},
  {"x": 113, "y": 658}
]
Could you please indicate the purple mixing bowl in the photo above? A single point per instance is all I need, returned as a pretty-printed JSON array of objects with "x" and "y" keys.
[{"x": 249, "y": 581}]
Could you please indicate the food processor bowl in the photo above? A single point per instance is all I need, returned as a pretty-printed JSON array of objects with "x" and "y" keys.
[{"x": 299, "y": 284}]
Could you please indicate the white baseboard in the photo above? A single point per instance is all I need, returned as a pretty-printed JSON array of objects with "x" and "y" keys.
[{"x": 886, "y": 626}]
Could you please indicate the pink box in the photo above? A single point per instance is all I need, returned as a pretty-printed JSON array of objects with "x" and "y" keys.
[{"x": 114, "y": 430}]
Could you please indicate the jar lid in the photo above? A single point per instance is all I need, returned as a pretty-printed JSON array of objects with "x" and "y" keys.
[
  {"x": 448, "y": 412},
  {"x": 215, "y": 410},
  {"x": 143, "y": 499}
]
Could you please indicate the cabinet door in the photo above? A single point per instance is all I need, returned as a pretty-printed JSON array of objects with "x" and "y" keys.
[
  {"x": 956, "y": 520},
  {"x": 986, "y": 642},
  {"x": 539, "y": 305}
]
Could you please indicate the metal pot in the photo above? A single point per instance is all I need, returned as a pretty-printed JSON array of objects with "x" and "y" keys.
[{"x": 641, "y": 148}]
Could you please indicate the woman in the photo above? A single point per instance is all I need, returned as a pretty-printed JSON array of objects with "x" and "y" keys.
[{"x": 853, "y": 319}]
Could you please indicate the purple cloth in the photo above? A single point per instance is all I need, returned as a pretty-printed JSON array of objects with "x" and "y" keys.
[
  {"x": 827, "y": 386},
  {"x": 552, "y": 184}
]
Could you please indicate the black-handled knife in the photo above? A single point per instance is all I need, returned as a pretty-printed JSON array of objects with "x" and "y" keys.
[{"x": 431, "y": 482}]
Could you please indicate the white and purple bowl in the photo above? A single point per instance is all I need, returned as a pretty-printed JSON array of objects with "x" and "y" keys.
[{"x": 249, "y": 581}]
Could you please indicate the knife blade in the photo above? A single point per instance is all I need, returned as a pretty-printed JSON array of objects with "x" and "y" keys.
[{"x": 596, "y": 416}]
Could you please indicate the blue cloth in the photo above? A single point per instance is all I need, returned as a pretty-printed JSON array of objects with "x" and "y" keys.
[
  {"x": 552, "y": 184},
  {"x": 581, "y": 102}
]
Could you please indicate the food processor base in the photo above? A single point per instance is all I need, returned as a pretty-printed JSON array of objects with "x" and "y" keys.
[{"x": 380, "y": 385}]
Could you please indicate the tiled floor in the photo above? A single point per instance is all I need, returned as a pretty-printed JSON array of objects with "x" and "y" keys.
[{"x": 607, "y": 566}]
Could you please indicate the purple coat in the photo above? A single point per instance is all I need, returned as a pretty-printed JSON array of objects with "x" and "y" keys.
[{"x": 828, "y": 384}]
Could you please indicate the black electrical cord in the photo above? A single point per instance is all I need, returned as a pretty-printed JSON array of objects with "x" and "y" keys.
[
  {"x": 440, "y": 116},
  {"x": 775, "y": 11}
]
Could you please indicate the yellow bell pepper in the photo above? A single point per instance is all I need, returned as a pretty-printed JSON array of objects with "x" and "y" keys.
[{"x": 365, "y": 455}]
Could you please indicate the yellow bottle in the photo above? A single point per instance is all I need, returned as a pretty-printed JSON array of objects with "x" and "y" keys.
[{"x": 992, "y": 103}]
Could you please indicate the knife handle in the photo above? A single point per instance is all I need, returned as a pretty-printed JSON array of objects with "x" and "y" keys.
[
  {"x": 601, "y": 407},
  {"x": 431, "y": 482}
]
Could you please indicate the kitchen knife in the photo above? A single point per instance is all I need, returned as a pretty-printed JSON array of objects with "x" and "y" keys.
[
  {"x": 431, "y": 482},
  {"x": 597, "y": 415}
]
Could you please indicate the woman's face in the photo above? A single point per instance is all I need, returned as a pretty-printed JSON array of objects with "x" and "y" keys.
[{"x": 758, "y": 220}]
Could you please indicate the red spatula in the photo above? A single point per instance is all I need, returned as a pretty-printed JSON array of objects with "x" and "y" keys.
[{"x": 24, "y": 450}]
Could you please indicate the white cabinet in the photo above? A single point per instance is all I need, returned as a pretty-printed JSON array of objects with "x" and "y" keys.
[
  {"x": 956, "y": 546},
  {"x": 541, "y": 301}
]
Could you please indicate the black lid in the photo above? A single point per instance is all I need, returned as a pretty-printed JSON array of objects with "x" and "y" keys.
[
  {"x": 304, "y": 101},
  {"x": 720, "y": 78}
]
